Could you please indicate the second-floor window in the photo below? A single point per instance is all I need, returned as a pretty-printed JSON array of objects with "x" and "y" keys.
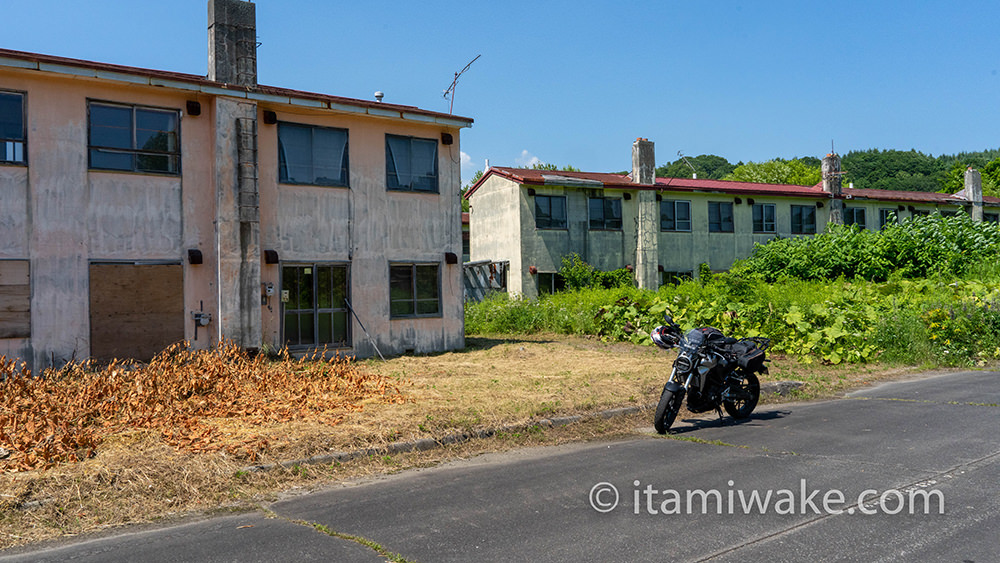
[
  {"x": 763, "y": 218},
  {"x": 803, "y": 220},
  {"x": 411, "y": 164},
  {"x": 312, "y": 155},
  {"x": 605, "y": 214},
  {"x": 12, "y": 130},
  {"x": 855, "y": 216},
  {"x": 550, "y": 212},
  {"x": 675, "y": 215},
  {"x": 134, "y": 138},
  {"x": 720, "y": 217}
]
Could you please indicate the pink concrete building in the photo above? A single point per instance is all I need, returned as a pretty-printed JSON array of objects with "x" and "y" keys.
[{"x": 142, "y": 207}]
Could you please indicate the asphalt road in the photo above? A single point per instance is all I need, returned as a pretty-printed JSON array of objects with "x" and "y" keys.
[{"x": 932, "y": 445}]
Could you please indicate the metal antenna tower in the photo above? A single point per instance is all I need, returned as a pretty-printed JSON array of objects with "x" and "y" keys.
[
  {"x": 694, "y": 173},
  {"x": 451, "y": 89}
]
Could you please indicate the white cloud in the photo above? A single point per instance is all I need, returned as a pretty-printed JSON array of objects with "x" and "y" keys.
[
  {"x": 527, "y": 160},
  {"x": 468, "y": 169}
]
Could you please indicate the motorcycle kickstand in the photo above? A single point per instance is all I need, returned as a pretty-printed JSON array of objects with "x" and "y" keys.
[{"x": 722, "y": 421}]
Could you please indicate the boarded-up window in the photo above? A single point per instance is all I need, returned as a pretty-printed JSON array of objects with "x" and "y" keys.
[
  {"x": 136, "y": 310},
  {"x": 15, "y": 299}
]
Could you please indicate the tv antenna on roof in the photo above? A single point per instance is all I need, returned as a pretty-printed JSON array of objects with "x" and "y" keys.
[
  {"x": 451, "y": 89},
  {"x": 694, "y": 175}
]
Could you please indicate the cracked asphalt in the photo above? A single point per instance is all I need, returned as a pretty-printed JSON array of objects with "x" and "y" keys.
[{"x": 893, "y": 446}]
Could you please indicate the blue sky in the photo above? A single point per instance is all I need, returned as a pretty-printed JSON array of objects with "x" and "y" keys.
[{"x": 576, "y": 82}]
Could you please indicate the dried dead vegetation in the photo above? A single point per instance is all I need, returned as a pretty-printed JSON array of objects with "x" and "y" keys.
[{"x": 196, "y": 401}]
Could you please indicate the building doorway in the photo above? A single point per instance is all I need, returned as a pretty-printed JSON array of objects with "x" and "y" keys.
[{"x": 314, "y": 305}]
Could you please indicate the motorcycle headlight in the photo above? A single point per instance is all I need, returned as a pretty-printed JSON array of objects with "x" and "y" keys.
[{"x": 683, "y": 363}]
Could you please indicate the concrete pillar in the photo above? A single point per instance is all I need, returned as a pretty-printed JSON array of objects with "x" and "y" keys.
[
  {"x": 648, "y": 224},
  {"x": 232, "y": 42},
  {"x": 973, "y": 192},
  {"x": 832, "y": 186},
  {"x": 237, "y": 223},
  {"x": 647, "y": 255}
]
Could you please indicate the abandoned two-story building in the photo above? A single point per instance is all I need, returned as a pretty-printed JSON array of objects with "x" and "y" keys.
[
  {"x": 141, "y": 207},
  {"x": 664, "y": 228}
]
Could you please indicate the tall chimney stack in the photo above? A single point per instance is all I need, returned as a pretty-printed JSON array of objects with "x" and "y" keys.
[
  {"x": 643, "y": 162},
  {"x": 232, "y": 42},
  {"x": 832, "y": 185},
  {"x": 973, "y": 192}
]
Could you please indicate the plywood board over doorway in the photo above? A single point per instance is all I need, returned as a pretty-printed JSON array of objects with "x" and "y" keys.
[
  {"x": 15, "y": 299},
  {"x": 136, "y": 310}
]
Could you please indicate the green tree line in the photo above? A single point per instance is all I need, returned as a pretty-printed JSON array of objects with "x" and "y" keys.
[{"x": 869, "y": 169}]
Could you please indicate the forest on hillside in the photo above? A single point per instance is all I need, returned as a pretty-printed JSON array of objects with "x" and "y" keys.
[{"x": 870, "y": 169}]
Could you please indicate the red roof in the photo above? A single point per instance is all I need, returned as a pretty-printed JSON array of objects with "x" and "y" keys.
[
  {"x": 204, "y": 81},
  {"x": 624, "y": 181},
  {"x": 913, "y": 197}
]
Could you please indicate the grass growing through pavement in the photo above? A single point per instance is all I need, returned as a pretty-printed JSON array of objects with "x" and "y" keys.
[{"x": 137, "y": 476}]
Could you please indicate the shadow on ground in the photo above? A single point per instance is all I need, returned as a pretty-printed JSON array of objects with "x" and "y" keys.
[{"x": 695, "y": 424}]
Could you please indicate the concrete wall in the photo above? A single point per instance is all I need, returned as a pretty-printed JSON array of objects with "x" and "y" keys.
[
  {"x": 366, "y": 227},
  {"x": 684, "y": 252},
  {"x": 495, "y": 220},
  {"x": 62, "y": 216}
]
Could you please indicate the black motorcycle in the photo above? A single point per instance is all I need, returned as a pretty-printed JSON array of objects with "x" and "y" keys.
[{"x": 712, "y": 370}]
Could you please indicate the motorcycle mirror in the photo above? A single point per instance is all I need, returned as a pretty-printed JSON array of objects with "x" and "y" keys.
[{"x": 668, "y": 319}]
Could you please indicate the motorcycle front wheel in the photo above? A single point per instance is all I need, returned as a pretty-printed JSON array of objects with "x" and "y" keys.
[
  {"x": 666, "y": 410},
  {"x": 747, "y": 393}
]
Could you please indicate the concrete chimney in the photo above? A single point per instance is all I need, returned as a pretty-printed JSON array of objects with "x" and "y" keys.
[
  {"x": 831, "y": 174},
  {"x": 232, "y": 42},
  {"x": 831, "y": 185},
  {"x": 643, "y": 162},
  {"x": 973, "y": 192}
]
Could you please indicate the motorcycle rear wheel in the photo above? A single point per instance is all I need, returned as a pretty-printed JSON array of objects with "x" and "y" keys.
[
  {"x": 742, "y": 408},
  {"x": 666, "y": 411}
]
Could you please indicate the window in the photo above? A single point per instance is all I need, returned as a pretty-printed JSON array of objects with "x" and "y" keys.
[
  {"x": 991, "y": 217},
  {"x": 411, "y": 164},
  {"x": 920, "y": 212},
  {"x": 312, "y": 155},
  {"x": 134, "y": 139},
  {"x": 549, "y": 283},
  {"x": 550, "y": 212},
  {"x": 720, "y": 217},
  {"x": 12, "y": 130},
  {"x": 803, "y": 220},
  {"x": 886, "y": 216},
  {"x": 855, "y": 216},
  {"x": 314, "y": 298},
  {"x": 674, "y": 278},
  {"x": 763, "y": 218},
  {"x": 675, "y": 215},
  {"x": 605, "y": 214},
  {"x": 414, "y": 290}
]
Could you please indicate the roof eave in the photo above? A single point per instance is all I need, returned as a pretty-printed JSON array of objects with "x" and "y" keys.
[{"x": 21, "y": 60}]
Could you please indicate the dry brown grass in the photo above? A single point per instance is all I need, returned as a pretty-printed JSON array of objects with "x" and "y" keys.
[{"x": 139, "y": 475}]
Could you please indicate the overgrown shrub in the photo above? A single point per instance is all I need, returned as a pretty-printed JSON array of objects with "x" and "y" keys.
[
  {"x": 939, "y": 320},
  {"x": 917, "y": 247},
  {"x": 580, "y": 275}
]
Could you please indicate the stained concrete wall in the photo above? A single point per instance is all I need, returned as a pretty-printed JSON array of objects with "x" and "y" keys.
[
  {"x": 495, "y": 229},
  {"x": 366, "y": 226},
  {"x": 62, "y": 217}
]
